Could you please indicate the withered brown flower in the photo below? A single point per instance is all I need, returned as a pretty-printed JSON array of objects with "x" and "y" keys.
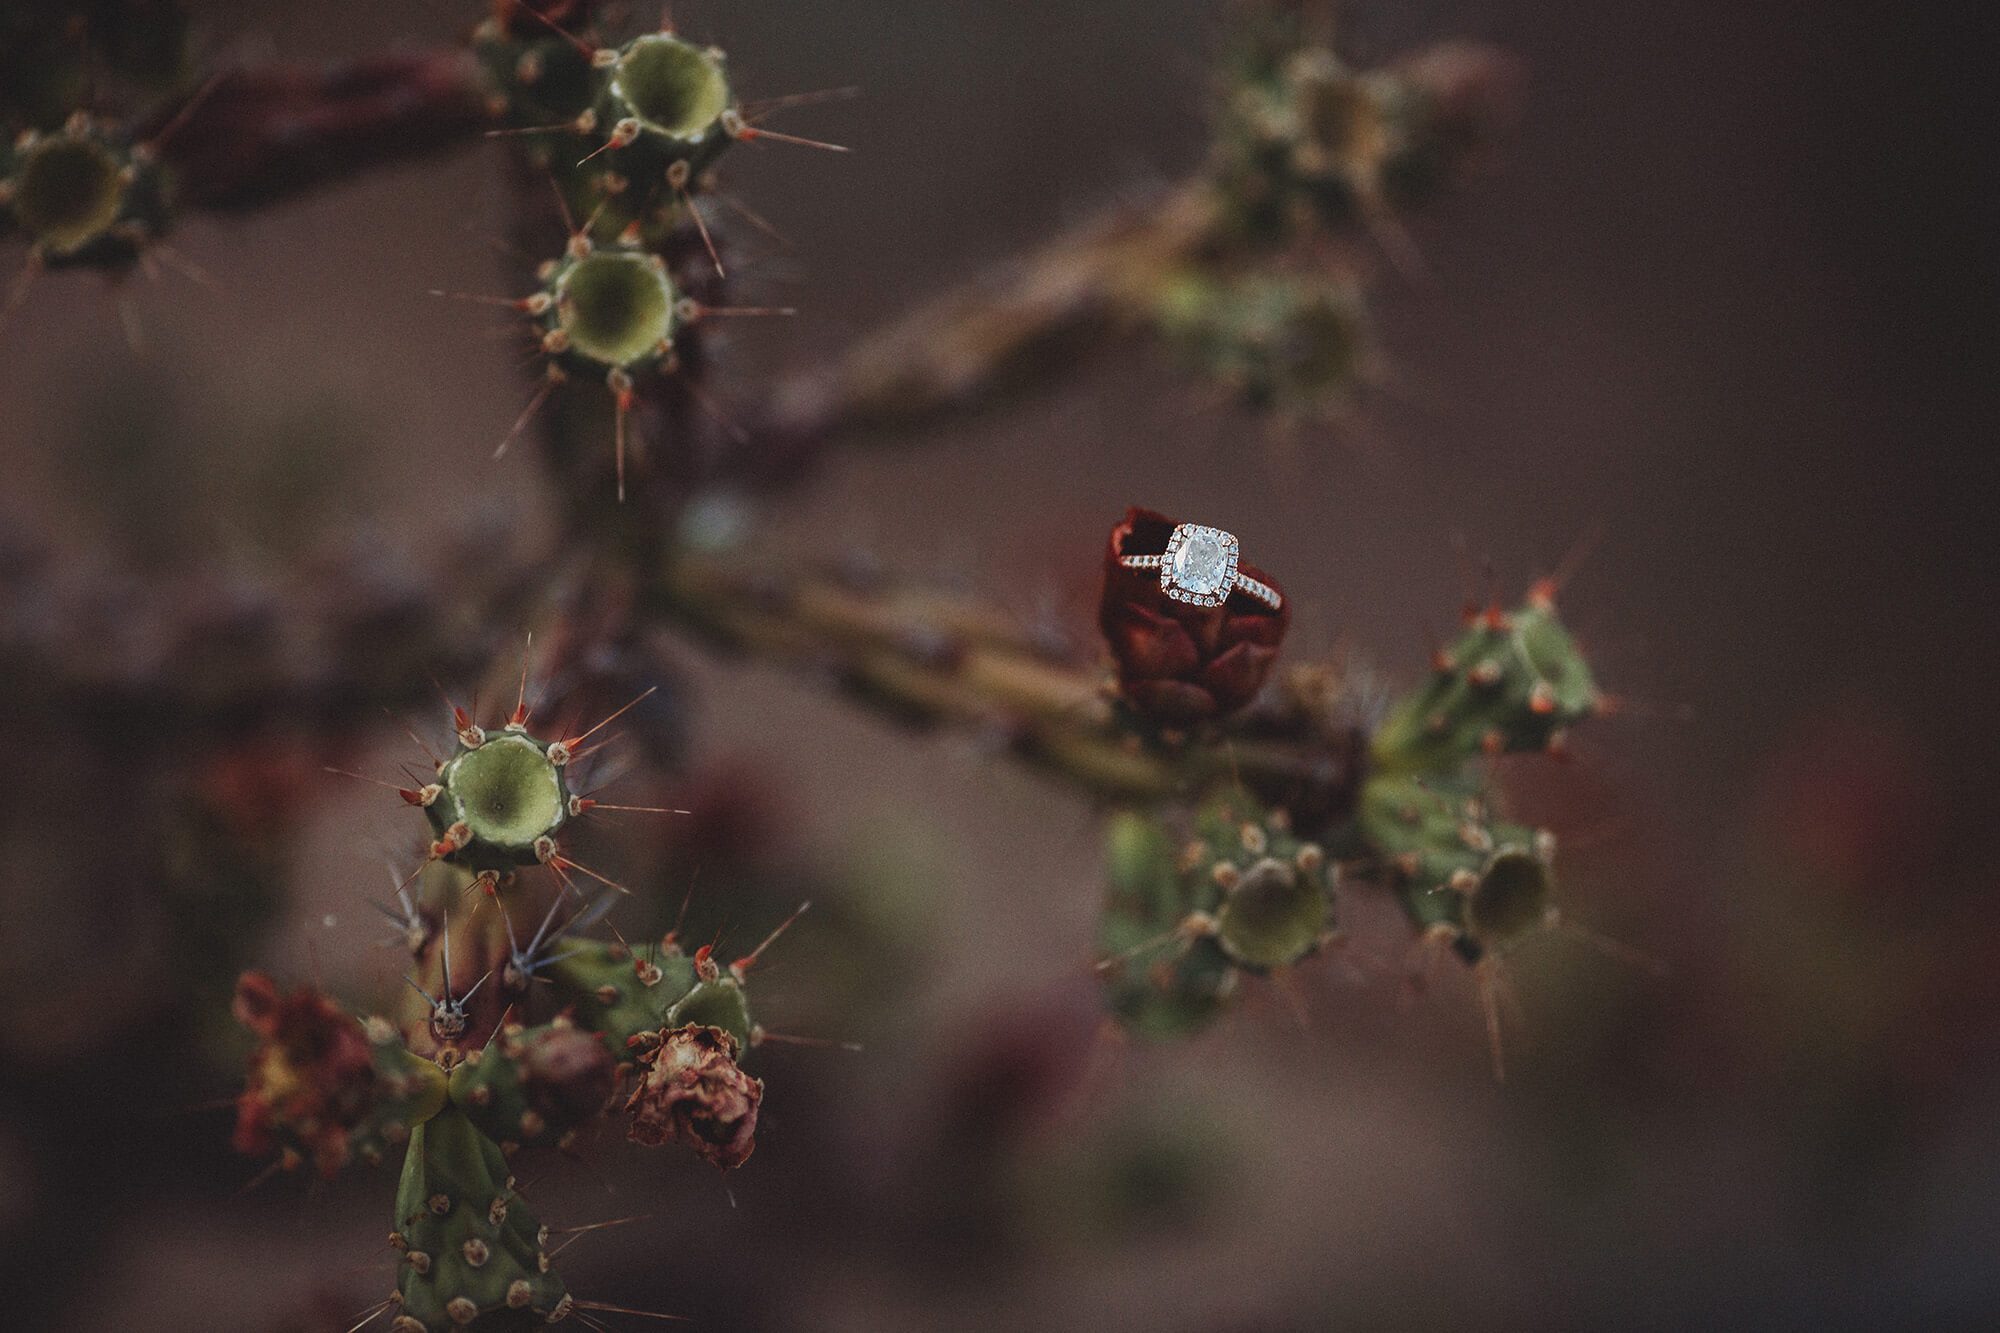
[
  {"x": 693, "y": 1092},
  {"x": 311, "y": 1079},
  {"x": 1180, "y": 664}
]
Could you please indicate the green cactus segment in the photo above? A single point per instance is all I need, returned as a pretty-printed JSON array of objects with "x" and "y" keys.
[
  {"x": 1513, "y": 682},
  {"x": 1274, "y": 901},
  {"x": 544, "y": 80},
  {"x": 1274, "y": 916},
  {"x": 1245, "y": 896},
  {"x": 616, "y": 308},
  {"x": 79, "y": 196},
  {"x": 1486, "y": 882},
  {"x": 498, "y": 800},
  {"x": 1305, "y": 142},
  {"x": 471, "y": 1249},
  {"x": 531, "y": 1087},
  {"x": 1290, "y": 342},
  {"x": 623, "y": 994},
  {"x": 626, "y": 133},
  {"x": 408, "y": 1091},
  {"x": 672, "y": 88}
]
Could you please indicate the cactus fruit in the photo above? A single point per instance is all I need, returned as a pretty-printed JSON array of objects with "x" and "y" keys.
[
  {"x": 503, "y": 796},
  {"x": 1244, "y": 895},
  {"x": 1513, "y": 682},
  {"x": 470, "y": 1248},
  {"x": 1480, "y": 882},
  {"x": 82, "y": 194}
]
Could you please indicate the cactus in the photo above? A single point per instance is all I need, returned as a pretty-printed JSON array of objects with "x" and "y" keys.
[
  {"x": 1514, "y": 682},
  {"x": 471, "y": 1250},
  {"x": 1250, "y": 791},
  {"x": 657, "y": 1032},
  {"x": 1244, "y": 895},
  {"x": 1481, "y": 882}
]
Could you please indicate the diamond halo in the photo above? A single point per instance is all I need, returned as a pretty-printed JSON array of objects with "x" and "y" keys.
[{"x": 1199, "y": 565}]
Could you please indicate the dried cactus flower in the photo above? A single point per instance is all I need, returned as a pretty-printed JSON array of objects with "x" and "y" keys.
[
  {"x": 323, "y": 1086},
  {"x": 1181, "y": 664},
  {"x": 694, "y": 1093}
]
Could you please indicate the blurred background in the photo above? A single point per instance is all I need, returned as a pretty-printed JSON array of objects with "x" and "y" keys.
[{"x": 1723, "y": 305}]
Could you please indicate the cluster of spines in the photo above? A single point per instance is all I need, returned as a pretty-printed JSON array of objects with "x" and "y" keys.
[{"x": 1244, "y": 894}]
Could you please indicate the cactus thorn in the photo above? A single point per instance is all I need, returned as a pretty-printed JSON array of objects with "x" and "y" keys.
[{"x": 743, "y": 965}]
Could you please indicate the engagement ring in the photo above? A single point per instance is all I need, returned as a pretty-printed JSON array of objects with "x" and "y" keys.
[{"x": 1199, "y": 566}]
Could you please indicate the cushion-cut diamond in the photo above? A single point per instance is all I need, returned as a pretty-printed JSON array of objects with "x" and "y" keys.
[{"x": 1202, "y": 563}]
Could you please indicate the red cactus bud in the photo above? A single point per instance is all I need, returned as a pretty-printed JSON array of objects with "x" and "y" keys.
[
  {"x": 311, "y": 1079},
  {"x": 1179, "y": 663},
  {"x": 694, "y": 1092}
]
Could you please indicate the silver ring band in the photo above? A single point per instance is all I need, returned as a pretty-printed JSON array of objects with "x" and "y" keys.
[{"x": 1236, "y": 581}]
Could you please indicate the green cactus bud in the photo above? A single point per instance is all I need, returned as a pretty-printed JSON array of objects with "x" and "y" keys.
[
  {"x": 1246, "y": 895},
  {"x": 471, "y": 1249},
  {"x": 615, "y": 308},
  {"x": 1513, "y": 682},
  {"x": 1485, "y": 882},
  {"x": 1275, "y": 891},
  {"x": 624, "y": 994},
  {"x": 672, "y": 88},
  {"x": 81, "y": 196},
  {"x": 499, "y": 800}
]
